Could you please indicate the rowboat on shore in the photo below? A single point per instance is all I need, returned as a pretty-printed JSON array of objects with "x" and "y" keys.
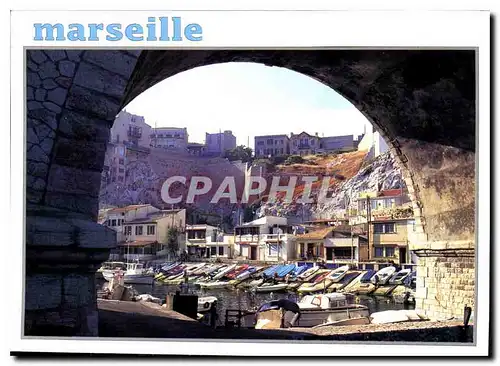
[{"x": 271, "y": 287}]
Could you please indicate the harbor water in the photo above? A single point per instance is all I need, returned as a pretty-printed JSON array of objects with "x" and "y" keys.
[{"x": 248, "y": 300}]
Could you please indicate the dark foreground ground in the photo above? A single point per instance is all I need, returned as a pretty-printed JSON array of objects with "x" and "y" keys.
[{"x": 146, "y": 320}]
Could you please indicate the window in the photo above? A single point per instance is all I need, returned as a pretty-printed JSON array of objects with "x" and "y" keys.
[
  {"x": 221, "y": 250},
  {"x": 138, "y": 230},
  {"x": 273, "y": 249},
  {"x": 389, "y": 251},
  {"x": 412, "y": 223},
  {"x": 386, "y": 228},
  {"x": 128, "y": 230},
  {"x": 213, "y": 251},
  {"x": 379, "y": 251},
  {"x": 281, "y": 142},
  {"x": 269, "y": 141},
  {"x": 151, "y": 229},
  {"x": 121, "y": 170},
  {"x": 260, "y": 143},
  {"x": 113, "y": 222}
]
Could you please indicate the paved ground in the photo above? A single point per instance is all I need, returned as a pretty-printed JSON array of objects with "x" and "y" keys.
[{"x": 146, "y": 320}]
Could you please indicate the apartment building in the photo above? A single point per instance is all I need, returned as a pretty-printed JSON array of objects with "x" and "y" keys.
[
  {"x": 218, "y": 143},
  {"x": 337, "y": 144},
  {"x": 142, "y": 230},
  {"x": 131, "y": 128},
  {"x": 388, "y": 215},
  {"x": 206, "y": 241},
  {"x": 170, "y": 138},
  {"x": 304, "y": 144},
  {"x": 268, "y": 238},
  {"x": 271, "y": 145}
]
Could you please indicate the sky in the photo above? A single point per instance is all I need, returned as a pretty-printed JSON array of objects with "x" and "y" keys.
[{"x": 250, "y": 100}]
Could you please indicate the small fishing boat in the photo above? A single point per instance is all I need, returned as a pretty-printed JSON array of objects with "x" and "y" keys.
[
  {"x": 346, "y": 280},
  {"x": 364, "y": 289},
  {"x": 205, "y": 303},
  {"x": 354, "y": 283},
  {"x": 318, "y": 283},
  {"x": 384, "y": 290},
  {"x": 215, "y": 285},
  {"x": 337, "y": 274},
  {"x": 276, "y": 314},
  {"x": 383, "y": 276},
  {"x": 224, "y": 271},
  {"x": 135, "y": 274},
  {"x": 308, "y": 274},
  {"x": 271, "y": 287},
  {"x": 328, "y": 308},
  {"x": 399, "y": 277}
]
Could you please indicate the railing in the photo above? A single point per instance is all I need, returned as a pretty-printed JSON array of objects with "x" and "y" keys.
[
  {"x": 275, "y": 237},
  {"x": 247, "y": 238}
]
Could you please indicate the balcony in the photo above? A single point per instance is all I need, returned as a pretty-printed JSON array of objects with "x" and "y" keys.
[
  {"x": 304, "y": 146},
  {"x": 134, "y": 132},
  {"x": 248, "y": 238},
  {"x": 275, "y": 237}
]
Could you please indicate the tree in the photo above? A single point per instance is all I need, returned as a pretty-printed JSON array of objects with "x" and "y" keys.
[
  {"x": 294, "y": 159},
  {"x": 173, "y": 241},
  {"x": 241, "y": 152}
]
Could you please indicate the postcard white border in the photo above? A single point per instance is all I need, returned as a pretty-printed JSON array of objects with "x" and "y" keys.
[{"x": 263, "y": 29}]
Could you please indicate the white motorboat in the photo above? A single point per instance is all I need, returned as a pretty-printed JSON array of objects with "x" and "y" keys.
[
  {"x": 223, "y": 272},
  {"x": 135, "y": 274},
  {"x": 214, "y": 285},
  {"x": 399, "y": 277},
  {"x": 205, "y": 303},
  {"x": 383, "y": 275},
  {"x": 338, "y": 274},
  {"x": 328, "y": 308},
  {"x": 271, "y": 287},
  {"x": 307, "y": 274}
]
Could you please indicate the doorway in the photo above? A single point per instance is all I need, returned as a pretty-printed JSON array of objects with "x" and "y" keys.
[
  {"x": 402, "y": 255},
  {"x": 329, "y": 254},
  {"x": 253, "y": 253}
]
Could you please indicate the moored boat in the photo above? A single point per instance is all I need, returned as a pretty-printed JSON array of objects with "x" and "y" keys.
[
  {"x": 399, "y": 277},
  {"x": 328, "y": 308},
  {"x": 383, "y": 276}
]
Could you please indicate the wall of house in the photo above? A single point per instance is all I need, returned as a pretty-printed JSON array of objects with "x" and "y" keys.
[
  {"x": 374, "y": 143},
  {"x": 337, "y": 143}
]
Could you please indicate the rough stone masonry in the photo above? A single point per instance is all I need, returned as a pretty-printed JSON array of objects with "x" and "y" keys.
[{"x": 421, "y": 101}]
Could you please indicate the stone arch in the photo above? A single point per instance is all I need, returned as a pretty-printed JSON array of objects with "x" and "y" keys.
[{"x": 421, "y": 101}]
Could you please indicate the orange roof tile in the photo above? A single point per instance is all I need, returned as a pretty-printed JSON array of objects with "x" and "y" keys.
[
  {"x": 126, "y": 208},
  {"x": 316, "y": 234}
]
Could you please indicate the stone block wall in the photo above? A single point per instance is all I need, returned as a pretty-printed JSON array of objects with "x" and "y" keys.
[
  {"x": 72, "y": 98},
  {"x": 445, "y": 284}
]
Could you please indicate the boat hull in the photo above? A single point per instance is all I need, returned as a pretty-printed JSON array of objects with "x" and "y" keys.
[
  {"x": 138, "y": 279},
  {"x": 312, "y": 318},
  {"x": 273, "y": 288}
]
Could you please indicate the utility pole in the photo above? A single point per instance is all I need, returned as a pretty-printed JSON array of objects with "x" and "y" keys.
[{"x": 368, "y": 218}]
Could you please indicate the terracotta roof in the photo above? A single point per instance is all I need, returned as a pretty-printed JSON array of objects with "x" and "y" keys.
[
  {"x": 316, "y": 234},
  {"x": 137, "y": 243},
  {"x": 391, "y": 193},
  {"x": 347, "y": 229},
  {"x": 125, "y": 209}
]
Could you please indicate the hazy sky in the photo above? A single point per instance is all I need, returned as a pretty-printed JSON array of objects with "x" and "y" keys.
[{"x": 249, "y": 99}]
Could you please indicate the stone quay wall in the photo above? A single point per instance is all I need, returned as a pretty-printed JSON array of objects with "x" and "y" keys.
[{"x": 446, "y": 284}]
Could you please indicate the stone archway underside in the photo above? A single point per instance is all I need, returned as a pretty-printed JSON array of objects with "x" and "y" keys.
[{"x": 422, "y": 102}]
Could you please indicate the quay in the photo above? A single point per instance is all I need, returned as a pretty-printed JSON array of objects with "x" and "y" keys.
[{"x": 128, "y": 319}]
